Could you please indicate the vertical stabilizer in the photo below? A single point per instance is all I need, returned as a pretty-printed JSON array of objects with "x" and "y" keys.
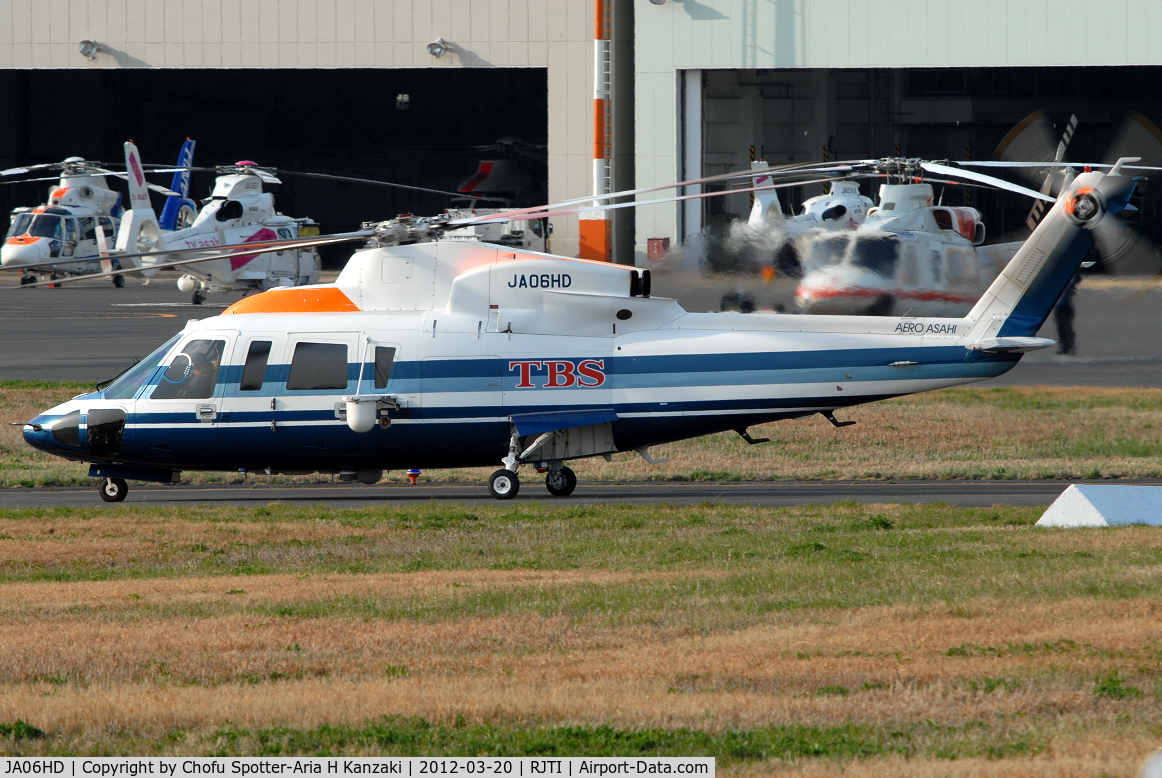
[
  {"x": 139, "y": 232},
  {"x": 179, "y": 212},
  {"x": 1020, "y": 299},
  {"x": 766, "y": 209}
]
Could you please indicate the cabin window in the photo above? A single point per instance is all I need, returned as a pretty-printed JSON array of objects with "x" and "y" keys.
[
  {"x": 255, "y": 370},
  {"x": 880, "y": 255},
  {"x": 318, "y": 366},
  {"x": 88, "y": 227},
  {"x": 384, "y": 357},
  {"x": 108, "y": 228},
  {"x": 910, "y": 268},
  {"x": 826, "y": 251},
  {"x": 943, "y": 219},
  {"x": 193, "y": 373}
]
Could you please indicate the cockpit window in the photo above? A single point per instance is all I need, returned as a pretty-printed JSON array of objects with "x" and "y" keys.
[
  {"x": 192, "y": 374},
  {"x": 127, "y": 384},
  {"x": 20, "y": 224},
  {"x": 827, "y": 251},
  {"x": 878, "y": 254},
  {"x": 47, "y": 226}
]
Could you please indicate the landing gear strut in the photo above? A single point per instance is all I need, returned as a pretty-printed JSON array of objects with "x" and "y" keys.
[{"x": 113, "y": 489}]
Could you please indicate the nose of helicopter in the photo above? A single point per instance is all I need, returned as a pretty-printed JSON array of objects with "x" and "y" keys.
[
  {"x": 24, "y": 251},
  {"x": 74, "y": 429},
  {"x": 54, "y": 433}
]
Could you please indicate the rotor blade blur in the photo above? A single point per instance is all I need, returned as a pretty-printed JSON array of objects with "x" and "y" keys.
[
  {"x": 1124, "y": 250},
  {"x": 328, "y": 177},
  {"x": 945, "y": 170},
  {"x": 1148, "y": 287}
]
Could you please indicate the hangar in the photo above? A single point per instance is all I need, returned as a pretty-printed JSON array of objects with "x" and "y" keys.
[{"x": 620, "y": 93}]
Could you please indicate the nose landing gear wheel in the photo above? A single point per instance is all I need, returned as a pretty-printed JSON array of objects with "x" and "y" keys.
[
  {"x": 561, "y": 482},
  {"x": 113, "y": 489},
  {"x": 503, "y": 485},
  {"x": 119, "y": 282},
  {"x": 199, "y": 297}
]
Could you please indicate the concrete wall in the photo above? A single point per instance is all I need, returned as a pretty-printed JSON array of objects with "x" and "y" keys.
[
  {"x": 682, "y": 35},
  {"x": 552, "y": 34}
]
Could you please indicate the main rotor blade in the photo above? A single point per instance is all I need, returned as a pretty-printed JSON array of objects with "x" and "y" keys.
[
  {"x": 329, "y": 177},
  {"x": 1095, "y": 165},
  {"x": 999, "y": 183},
  {"x": 215, "y": 252},
  {"x": 494, "y": 217},
  {"x": 152, "y": 187},
  {"x": 16, "y": 171},
  {"x": 29, "y": 180},
  {"x": 534, "y": 212}
]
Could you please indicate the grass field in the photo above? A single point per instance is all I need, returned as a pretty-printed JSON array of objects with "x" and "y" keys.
[
  {"x": 856, "y": 640},
  {"x": 1020, "y": 432}
]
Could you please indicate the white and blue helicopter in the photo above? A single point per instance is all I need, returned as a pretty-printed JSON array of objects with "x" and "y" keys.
[{"x": 460, "y": 354}]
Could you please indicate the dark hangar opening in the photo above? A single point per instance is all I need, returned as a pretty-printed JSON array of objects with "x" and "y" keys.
[
  {"x": 933, "y": 113},
  {"x": 347, "y": 122}
]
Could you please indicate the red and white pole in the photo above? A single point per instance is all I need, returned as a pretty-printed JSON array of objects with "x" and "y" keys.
[{"x": 595, "y": 227}]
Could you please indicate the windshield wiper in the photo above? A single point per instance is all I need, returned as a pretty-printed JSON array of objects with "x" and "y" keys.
[{"x": 102, "y": 384}]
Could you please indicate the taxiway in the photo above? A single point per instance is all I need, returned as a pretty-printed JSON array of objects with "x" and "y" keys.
[{"x": 766, "y": 494}]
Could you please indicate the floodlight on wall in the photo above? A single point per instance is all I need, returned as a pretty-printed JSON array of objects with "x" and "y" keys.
[
  {"x": 437, "y": 48},
  {"x": 88, "y": 49}
]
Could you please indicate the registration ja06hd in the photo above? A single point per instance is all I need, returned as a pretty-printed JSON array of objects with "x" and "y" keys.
[{"x": 133, "y": 767}]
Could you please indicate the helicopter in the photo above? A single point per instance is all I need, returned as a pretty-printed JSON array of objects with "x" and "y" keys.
[
  {"x": 237, "y": 212},
  {"x": 458, "y": 354},
  {"x": 909, "y": 255},
  {"x": 78, "y": 225}
]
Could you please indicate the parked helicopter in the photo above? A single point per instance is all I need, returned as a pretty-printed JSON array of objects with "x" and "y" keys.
[
  {"x": 450, "y": 354},
  {"x": 70, "y": 233},
  {"x": 238, "y": 212},
  {"x": 909, "y": 256}
]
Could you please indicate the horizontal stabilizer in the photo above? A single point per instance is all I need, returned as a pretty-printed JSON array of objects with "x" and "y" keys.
[
  {"x": 536, "y": 423},
  {"x": 1012, "y": 345}
]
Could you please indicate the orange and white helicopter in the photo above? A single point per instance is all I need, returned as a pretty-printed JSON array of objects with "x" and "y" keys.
[
  {"x": 454, "y": 354},
  {"x": 69, "y": 234}
]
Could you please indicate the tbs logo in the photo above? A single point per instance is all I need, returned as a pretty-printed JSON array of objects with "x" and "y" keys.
[{"x": 559, "y": 373}]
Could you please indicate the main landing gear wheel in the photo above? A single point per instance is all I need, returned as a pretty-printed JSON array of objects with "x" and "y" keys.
[
  {"x": 199, "y": 297},
  {"x": 503, "y": 485},
  {"x": 561, "y": 482},
  {"x": 113, "y": 489},
  {"x": 119, "y": 282}
]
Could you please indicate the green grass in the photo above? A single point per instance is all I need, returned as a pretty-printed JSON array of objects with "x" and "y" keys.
[{"x": 400, "y": 736}]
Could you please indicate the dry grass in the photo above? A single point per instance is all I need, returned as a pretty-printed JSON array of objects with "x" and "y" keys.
[
  {"x": 920, "y": 640},
  {"x": 1019, "y": 432}
]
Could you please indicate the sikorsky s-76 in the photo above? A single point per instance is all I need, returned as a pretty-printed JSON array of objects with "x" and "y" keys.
[{"x": 451, "y": 354}]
